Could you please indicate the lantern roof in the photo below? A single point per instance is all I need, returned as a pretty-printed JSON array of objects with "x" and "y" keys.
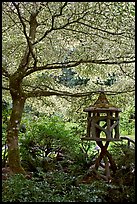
[{"x": 102, "y": 104}]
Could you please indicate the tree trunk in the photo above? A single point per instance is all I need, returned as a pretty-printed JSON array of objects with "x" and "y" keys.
[
  {"x": 12, "y": 135},
  {"x": 18, "y": 97}
]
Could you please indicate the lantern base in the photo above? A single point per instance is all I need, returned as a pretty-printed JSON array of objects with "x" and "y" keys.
[{"x": 108, "y": 164}]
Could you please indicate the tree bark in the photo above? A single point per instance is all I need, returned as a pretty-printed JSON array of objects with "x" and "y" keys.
[
  {"x": 12, "y": 135},
  {"x": 18, "y": 96}
]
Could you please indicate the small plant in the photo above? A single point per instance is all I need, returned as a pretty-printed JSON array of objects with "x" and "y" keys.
[
  {"x": 56, "y": 187},
  {"x": 127, "y": 125}
]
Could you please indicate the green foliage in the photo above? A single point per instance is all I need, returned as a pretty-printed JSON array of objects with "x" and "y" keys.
[
  {"x": 127, "y": 125},
  {"x": 56, "y": 187},
  {"x": 6, "y": 110},
  {"x": 124, "y": 156},
  {"x": 124, "y": 179},
  {"x": 20, "y": 189},
  {"x": 45, "y": 139}
]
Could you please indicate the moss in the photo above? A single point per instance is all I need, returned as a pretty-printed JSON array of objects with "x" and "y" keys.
[{"x": 14, "y": 161}]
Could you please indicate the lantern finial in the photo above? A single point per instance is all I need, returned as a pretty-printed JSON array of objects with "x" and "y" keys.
[{"x": 102, "y": 100}]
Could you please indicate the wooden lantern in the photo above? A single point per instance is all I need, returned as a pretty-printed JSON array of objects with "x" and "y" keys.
[
  {"x": 103, "y": 125},
  {"x": 102, "y": 121}
]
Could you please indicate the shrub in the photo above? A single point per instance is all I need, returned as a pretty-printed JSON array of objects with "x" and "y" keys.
[
  {"x": 56, "y": 187},
  {"x": 45, "y": 138}
]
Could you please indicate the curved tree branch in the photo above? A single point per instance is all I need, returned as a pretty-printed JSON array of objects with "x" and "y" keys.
[
  {"x": 53, "y": 28},
  {"x": 39, "y": 93},
  {"x": 74, "y": 64},
  {"x": 95, "y": 28}
]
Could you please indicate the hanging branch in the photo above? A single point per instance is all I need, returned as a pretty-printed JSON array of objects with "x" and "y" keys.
[{"x": 125, "y": 72}]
